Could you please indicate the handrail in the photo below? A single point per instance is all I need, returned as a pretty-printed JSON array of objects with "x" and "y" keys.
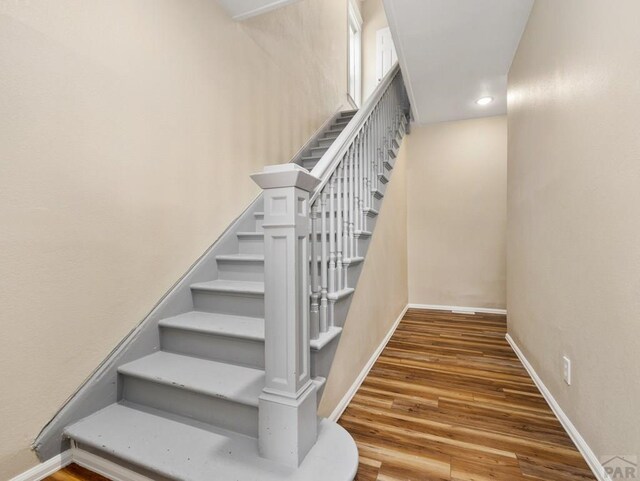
[{"x": 329, "y": 161}]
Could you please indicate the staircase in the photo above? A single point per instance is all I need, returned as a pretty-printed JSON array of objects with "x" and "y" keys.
[{"x": 232, "y": 391}]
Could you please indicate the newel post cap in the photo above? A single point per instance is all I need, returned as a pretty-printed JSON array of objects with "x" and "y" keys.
[{"x": 285, "y": 175}]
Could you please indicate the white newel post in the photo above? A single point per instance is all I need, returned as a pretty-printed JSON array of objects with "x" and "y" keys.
[{"x": 287, "y": 406}]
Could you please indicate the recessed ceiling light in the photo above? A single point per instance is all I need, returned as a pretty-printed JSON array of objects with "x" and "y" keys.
[{"x": 484, "y": 100}]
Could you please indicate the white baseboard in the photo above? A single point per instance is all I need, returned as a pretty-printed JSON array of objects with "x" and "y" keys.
[
  {"x": 104, "y": 467},
  {"x": 346, "y": 399},
  {"x": 461, "y": 309},
  {"x": 581, "y": 444},
  {"x": 87, "y": 460},
  {"x": 45, "y": 469}
]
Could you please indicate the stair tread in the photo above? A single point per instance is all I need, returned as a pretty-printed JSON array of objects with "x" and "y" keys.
[
  {"x": 222, "y": 285},
  {"x": 250, "y": 234},
  {"x": 177, "y": 448},
  {"x": 241, "y": 257},
  {"x": 325, "y": 338},
  {"x": 227, "y": 381},
  {"x": 220, "y": 324}
]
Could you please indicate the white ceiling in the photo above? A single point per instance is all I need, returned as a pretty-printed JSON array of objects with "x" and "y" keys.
[{"x": 452, "y": 52}]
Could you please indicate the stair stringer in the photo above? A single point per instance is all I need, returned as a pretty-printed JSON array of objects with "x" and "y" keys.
[{"x": 101, "y": 388}]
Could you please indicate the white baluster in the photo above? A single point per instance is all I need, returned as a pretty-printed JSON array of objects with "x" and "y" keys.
[
  {"x": 339, "y": 217},
  {"x": 345, "y": 218},
  {"x": 352, "y": 205},
  {"x": 324, "y": 306},
  {"x": 332, "y": 246},
  {"x": 361, "y": 182},
  {"x": 315, "y": 290}
]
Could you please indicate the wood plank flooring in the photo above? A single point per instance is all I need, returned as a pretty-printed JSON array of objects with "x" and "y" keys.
[
  {"x": 449, "y": 400},
  {"x": 73, "y": 472}
]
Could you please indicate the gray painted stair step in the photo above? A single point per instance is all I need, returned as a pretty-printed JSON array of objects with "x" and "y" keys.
[
  {"x": 331, "y": 135},
  {"x": 217, "y": 393},
  {"x": 318, "y": 151},
  {"x": 348, "y": 113},
  {"x": 224, "y": 337},
  {"x": 383, "y": 178},
  {"x": 251, "y": 242},
  {"x": 241, "y": 267},
  {"x": 325, "y": 338},
  {"x": 220, "y": 337},
  {"x": 311, "y": 158},
  {"x": 179, "y": 448},
  {"x": 226, "y": 325},
  {"x": 371, "y": 212},
  {"x": 217, "y": 379},
  {"x": 309, "y": 163},
  {"x": 242, "y": 298}
]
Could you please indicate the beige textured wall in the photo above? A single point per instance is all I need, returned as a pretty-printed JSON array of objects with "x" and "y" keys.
[
  {"x": 129, "y": 129},
  {"x": 457, "y": 213},
  {"x": 573, "y": 204},
  {"x": 373, "y": 18},
  {"x": 381, "y": 294}
]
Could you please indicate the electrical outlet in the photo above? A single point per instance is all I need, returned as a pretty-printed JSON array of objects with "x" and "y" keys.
[{"x": 566, "y": 369}]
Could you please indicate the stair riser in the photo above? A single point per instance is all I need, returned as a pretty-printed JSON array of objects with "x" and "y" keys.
[
  {"x": 241, "y": 271},
  {"x": 232, "y": 350},
  {"x": 318, "y": 151},
  {"x": 228, "y": 303},
  {"x": 330, "y": 136},
  {"x": 321, "y": 360},
  {"x": 136, "y": 468},
  {"x": 309, "y": 164},
  {"x": 251, "y": 245},
  {"x": 326, "y": 142},
  {"x": 341, "y": 309},
  {"x": 223, "y": 413}
]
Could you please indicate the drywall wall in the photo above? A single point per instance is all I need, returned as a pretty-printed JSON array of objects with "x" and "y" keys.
[
  {"x": 573, "y": 274},
  {"x": 129, "y": 130},
  {"x": 381, "y": 293},
  {"x": 373, "y": 18},
  {"x": 457, "y": 213}
]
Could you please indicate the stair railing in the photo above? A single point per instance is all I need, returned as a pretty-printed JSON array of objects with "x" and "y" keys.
[
  {"x": 330, "y": 203},
  {"x": 351, "y": 175}
]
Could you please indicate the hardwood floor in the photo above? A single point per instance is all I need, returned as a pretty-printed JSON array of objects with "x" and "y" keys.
[
  {"x": 449, "y": 400},
  {"x": 73, "y": 472}
]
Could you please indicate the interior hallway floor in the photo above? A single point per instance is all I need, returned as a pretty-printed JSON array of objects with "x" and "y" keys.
[{"x": 449, "y": 400}]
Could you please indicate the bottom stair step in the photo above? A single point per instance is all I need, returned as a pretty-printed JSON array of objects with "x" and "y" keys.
[
  {"x": 171, "y": 447},
  {"x": 213, "y": 392}
]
